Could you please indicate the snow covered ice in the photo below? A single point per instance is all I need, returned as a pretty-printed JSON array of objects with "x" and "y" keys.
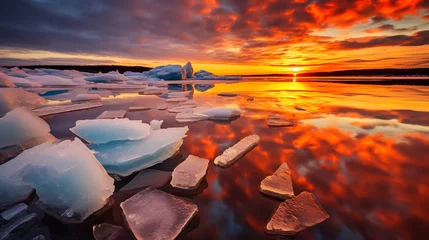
[
  {"x": 154, "y": 214},
  {"x": 189, "y": 173},
  {"x": 21, "y": 125},
  {"x": 296, "y": 214},
  {"x": 279, "y": 184},
  {"x": 70, "y": 182},
  {"x": 148, "y": 178},
  {"x": 232, "y": 154},
  {"x": 112, "y": 114},
  {"x": 221, "y": 113},
  {"x": 11, "y": 98},
  {"x": 125, "y": 157},
  {"x": 99, "y": 131}
]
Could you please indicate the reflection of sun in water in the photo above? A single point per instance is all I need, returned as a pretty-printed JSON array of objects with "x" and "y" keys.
[{"x": 294, "y": 79}]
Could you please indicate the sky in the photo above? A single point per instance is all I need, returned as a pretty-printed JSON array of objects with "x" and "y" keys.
[{"x": 222, "y": 36}]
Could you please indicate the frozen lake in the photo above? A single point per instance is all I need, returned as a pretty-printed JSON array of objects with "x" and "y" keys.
[{"x": 362, "y": 150}]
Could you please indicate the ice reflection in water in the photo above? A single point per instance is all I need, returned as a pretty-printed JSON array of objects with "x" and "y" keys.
[{"x": 362, "y": 150}]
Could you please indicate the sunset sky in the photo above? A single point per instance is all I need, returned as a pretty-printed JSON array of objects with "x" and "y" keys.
[{"x": 222, "y": 36}]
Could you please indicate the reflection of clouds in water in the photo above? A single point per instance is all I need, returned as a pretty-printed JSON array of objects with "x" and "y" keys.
[{"x": 222, "y": 215}]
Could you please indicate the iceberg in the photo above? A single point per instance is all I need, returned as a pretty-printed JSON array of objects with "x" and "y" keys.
[
  {"x": 11, "y": 98},
  {"x": 47, "y": 80},
  {"x": 112, "y": 114},
  {"x": 189, "y": 173},
  {"x": 107, "y": 231},
  {"x": 169, "y": 72},
  {"x": 296, "y": 214},
  {"x": 154, "y": 214},
  {"x": 125, "y": 157},
  {"x": 16, "y": 72},
  {"x": 21, "y": 125},
  {"x": 5, "y": 81},
  {"x": 232, "y": 154},
  {"x": 98, "y": 131},
  {"x": 57, "y": 109},
  {"x": 279, "y": 184},
  {"x": 223, "y": 114},
  {"x": 148, "y": 178},
  {"x": 24, "y": 83},
  {"x": 189, "y": 70},
  {"x": 111, "y": 77},
  {"x": 70, "y": 182}
]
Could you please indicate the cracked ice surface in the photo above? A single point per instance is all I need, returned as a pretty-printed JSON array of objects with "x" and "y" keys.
[
  {"x": 154, "y": 214},
  {"x": 232, "y": 154},
  {"x": 189, "y": 173},
  {"x": 100, "y": 131},
  {"x": 279, "y": 184},
  {"x": 296, "y": 214},
  {"x": 68, "y": 179},
  {"x": 125, "y": 157}
]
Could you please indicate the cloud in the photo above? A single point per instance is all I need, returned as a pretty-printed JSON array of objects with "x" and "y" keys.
[{"x": 391, "y": 27}]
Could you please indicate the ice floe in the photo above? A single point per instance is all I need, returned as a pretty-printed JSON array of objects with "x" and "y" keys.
[
  {"x": 62, "y": 108},
  {"x": 125, "y": 157},
  {"x": 280, "y": 123},
  {"x": 141, "y": 108},
  {"x": 87, "y": 97},
  {"x": 11, "y": 98},
  {"x": 148, "y": 178},
  {"x": 5, "y": 81},
  {"x": 176, "y": 99},
  {"x": 21, "y": 125},
  {"x": 154, "y": 214},
  {"x": 221, "y": 113},
  {"x": 232, "y": 154},
  {"x": 111, "y": 114},
  {"x": 162, "y": 107},
  {"x": 187, "y": 117},
  {"x": 70, "y": 182},
  {"x": 279, "y": 184},
  {"x": 98, "y": 131},
  {"x": 111, "y": 77},
  {"x": 180, "y": 109},
  {"x": 189, "y": 173},
  {"x": 296, "y": 214},
  {"x": 48, "y": 80},
  {"x": 227, "y": 94}
]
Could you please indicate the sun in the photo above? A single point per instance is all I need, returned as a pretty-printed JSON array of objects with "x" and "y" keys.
[{"x": 295, "y": 70}]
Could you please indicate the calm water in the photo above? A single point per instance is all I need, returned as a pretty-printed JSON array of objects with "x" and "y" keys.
[{"x": 362, "y": 150}]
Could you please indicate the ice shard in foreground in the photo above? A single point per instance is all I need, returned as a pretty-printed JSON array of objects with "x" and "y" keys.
[
  {"x": 189, "y": 173},
  {"x": 100, "y": 131},
  {"x": 70, "y": 182},
  {"x": 125, "y": 157},
  {"x": 232, "y": 154},
  {"x": 279, "y": 184},
  {"x": 296, "y": 214},
  {"x": 154, "y": 214}
]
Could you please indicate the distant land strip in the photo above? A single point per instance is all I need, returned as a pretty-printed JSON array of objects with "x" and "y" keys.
[{"x": 90, "y": 68}]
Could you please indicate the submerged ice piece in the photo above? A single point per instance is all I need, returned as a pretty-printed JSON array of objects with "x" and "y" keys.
[
  {"x": 106, "y": 130},
  {"x": 148, "y": 178},
  {"x": 70, "y": 182},
  {"x": 107, "y": 231},
  {"x": 11, "y": 98},
  {"x": 189, "y": 173},
  {"x": 125, "y": 157},
  {"x": 232, "y": 154},
  {"x": 223, "y": 114},
  {"x": 56, "y": 109},
  {"x": 112, "y": 114},
  {"x": 296, "y": 214},
  {"x": 154, "y": 214},
  {"x": 279, "y": 184}
]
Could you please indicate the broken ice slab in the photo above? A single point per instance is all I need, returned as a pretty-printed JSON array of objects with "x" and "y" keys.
[
  {"x": 87, "y": 97},
  {"x": 66, "y": 176},
  {"x": 223, "y": 114},
  {"x": 11, "y": 98},
  {"x": 190, "y": 103},
  {"x": 232, "y": 154},
  {"x": 189, "y": 173},
  {"x": 273, "y": 116},
  {"x": 187, "y": 117},
  {"x": 178, "y": 94},
  {"x": 107, "y": 231},
  {"x": 21, "y": 125},
  {"x": 56, "y": 109},
  {"x": 180, "y": 109},
  {"x": 162, "y": 107},
  {"x": 280, "y": 123},
  {"x": 279, "y": 184},
  {"x": 153, "y": 91},
  {"x": 125, "y": 157},
  {"x": 17, "y": 210},
  {"x": 296, "y": 214},
  {"x": 142, "y": 108},
  {"x": 14, "y": 228},
  {"x": 154, "y": 214},
  {"x": 227, "y": 94},
  {"x": 106, "y": 130},
  {"x": 169, "y": 100},
  {"x": 111, "y": 114},
  {"x": 148, "y": 178}
]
